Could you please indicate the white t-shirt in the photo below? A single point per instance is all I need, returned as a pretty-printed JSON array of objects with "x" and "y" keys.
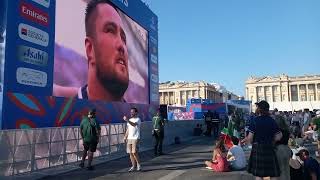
[
  {"x": 240, "y": 158},
  {"x": 134, "y": 131}
]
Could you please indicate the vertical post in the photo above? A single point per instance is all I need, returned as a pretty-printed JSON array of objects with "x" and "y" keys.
[
  {"x": 33, "y": 144},
  {"x": 14, "y": 152},
  {"x": 298, "y": 90},
  {"x": 64, "y": 140},
  {"x": 272, "y": 94},
  {"x": 307, "y": 93},
  {"x": 316, "y": 92},
  {"x": 289, "y": 93},
  {"x": 50, "y": 139},
  {"x": 109, "y": 138},
  {"x": 78, "y": 142}
]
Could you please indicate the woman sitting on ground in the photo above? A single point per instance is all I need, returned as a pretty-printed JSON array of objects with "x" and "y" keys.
[{"x": 219, "y": 161}]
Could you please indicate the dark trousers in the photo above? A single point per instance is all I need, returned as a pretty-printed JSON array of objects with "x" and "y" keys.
[
  {"x": 215, "y": 129},
  {"x": 209, "y": 129},
  {"x": 159, "y": 135}
]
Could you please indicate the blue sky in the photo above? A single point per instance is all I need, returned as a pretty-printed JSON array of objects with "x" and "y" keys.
[{"x": 226, "y": 41}]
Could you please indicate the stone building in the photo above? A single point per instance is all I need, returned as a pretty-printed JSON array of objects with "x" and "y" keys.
[
  {"x": 177, "y": 93},
  {"x": 284, "y": 92}
]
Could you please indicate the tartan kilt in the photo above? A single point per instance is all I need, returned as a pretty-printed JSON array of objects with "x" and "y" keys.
[{"x": 263, "y": 161}]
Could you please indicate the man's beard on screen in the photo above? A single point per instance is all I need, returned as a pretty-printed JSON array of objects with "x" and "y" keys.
[{"x": 111, "y": 83}]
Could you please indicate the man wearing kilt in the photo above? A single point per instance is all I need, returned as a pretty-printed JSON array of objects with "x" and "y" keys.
[{"x": 263, "y": 133}]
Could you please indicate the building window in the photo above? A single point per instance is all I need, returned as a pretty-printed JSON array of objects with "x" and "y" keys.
[
  {"x": 311, "y": 87},
  {"x": 268, "y": 98},
  {"x": 303, "y": 98},
  {"x": 267, "y": 88},
  {"x": 275, "y": 89},
  {"x": 303, "y": 87},
  {"x": 283, "y": 97},
  {"x": 294, "y": 93},
  {"x": 311, "y": 97}
]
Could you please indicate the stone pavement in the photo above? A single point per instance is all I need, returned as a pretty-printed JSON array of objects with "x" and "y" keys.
[
  {"x": 184, "y": 161},
  {"x": 181, "y": 162}
]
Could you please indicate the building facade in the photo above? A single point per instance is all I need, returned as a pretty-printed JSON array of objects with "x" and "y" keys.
[
  {"x": 178, "y": 93},
  {"x": 284, "y": 92}
]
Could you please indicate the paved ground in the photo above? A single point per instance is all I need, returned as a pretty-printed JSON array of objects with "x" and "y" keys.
[
  {"x": 181, "y": 162},
  {"x": 185, "y": 161}
]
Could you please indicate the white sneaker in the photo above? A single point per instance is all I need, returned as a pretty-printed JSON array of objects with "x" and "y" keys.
[
  {"x": 317, "y": 154},
  {"x": 139, "y": 168},
  {"x": 131, "y": 169}
]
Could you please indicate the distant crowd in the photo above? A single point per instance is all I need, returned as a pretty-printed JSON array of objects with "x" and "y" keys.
[{"x": 275, "y": 139}]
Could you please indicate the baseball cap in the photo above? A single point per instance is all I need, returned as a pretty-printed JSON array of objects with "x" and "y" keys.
[{"x": 264, "y": 105}]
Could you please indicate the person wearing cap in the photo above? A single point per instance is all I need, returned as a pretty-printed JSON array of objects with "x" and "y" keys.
[
  {"x": 263, "y": 133},
  {"x": 311, "y": 166},
  {"x": 90, "y": 133}
]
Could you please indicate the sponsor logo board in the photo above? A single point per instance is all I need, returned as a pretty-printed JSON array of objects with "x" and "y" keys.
[
  {"x": 31, "y": 77},
  {"x": 33, "y": 35},
  {"x": 34, "y": 14},
  {"x": 32, "y": 56}
]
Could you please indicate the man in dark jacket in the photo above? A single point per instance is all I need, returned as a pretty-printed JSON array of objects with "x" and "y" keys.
[
  {"x": 90, "y": 133},
  {"x": 158, "y": 132}
]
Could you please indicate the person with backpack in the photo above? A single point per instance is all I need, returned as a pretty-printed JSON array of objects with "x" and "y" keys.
[{"x": 90, "y": 132}]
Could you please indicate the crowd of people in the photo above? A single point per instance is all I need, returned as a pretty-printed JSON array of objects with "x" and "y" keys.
[{"x": 276, "y": 140}]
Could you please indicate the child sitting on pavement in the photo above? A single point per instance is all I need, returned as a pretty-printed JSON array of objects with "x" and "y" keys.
[{"x": 236, "y": 156}]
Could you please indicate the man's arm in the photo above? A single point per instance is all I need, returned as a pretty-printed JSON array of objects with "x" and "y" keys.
[
  {"x": 81, "y": 128},
  {"x": 248, "y": 139},
  {"x": 125, "y": 135}
]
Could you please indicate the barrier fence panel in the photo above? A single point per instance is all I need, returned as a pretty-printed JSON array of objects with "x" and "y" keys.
[{"x": 32, "y": 150}]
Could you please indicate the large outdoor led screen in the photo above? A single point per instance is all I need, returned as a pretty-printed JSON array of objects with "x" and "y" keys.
[
  {"x": 97, "y": 79},
  {"x": 56, "y": 67}
]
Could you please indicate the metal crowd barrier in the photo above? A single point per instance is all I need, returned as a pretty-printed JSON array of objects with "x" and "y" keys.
[{"x": 33, "y": 150}]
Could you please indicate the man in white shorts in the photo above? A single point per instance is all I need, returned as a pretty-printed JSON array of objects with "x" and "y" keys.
[{"x": 132, "y": 137}]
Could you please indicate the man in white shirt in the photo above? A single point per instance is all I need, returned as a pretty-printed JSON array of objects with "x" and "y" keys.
[
  {"x": 236, "y": 156},
  {"x": 132, "y": 137}
]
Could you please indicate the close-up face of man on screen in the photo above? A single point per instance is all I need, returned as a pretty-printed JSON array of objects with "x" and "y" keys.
[{"x": 107, "y": 54}]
